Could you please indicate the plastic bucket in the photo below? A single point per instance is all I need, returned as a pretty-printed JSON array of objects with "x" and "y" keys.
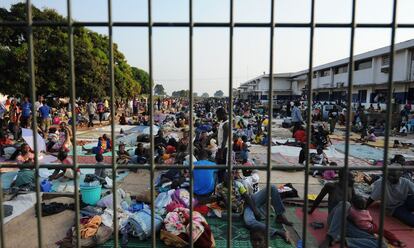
[
  {"x": 91, "y": 194},
  {"x": 46, "y": 186}
]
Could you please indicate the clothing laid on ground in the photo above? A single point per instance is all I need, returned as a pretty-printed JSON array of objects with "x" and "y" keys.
[{"x": 204, "y": 180}]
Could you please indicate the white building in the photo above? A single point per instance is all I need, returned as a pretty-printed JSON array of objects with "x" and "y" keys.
[{"x": 330, "y": 81}]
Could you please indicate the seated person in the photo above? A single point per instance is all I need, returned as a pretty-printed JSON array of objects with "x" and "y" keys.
[
  {"x": 204, "y": 179},
  {"x": 399, "y": 195},
  {"x": 300, "y": 135},
  {"x": 122, "y": 120},
  {"x": 65, "y": 173},
  {"x": 330, "y": 174},
  {"x": 361, "y": 217},
  {"x": 63, "y": 142},
  {"x": 23, "y": 155},
  {"x": 104, "y": 145},
  {"x": 123, "y": 156},
  {"x": 321, "y": 137},
  {"x": 319, "y": 159},
  {"x": 141, "y": 155},
  {"x": 249, "y": 206}
]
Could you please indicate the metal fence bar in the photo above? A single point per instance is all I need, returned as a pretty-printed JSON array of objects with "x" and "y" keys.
[
  {"x": 269, "y": 126},
  {"x": 2, "y": 236},
  {"x": 34, "y": 120},
  {"x": 348, "y": 123},
  {"x": 388, "y": 123},
  {"x": 207, "y": 24},
  {"x": 206, "y": 167},
  {"x": 190, "y": 120},
  {"x": 113, "y": 115},
  {"x": 151, "y": 119},
  {"x": 308, "y": 124},
  {"x": 70, "y": 24},
  {"x": 230, "y": 123},
  {"x": 73, "y": 103}
]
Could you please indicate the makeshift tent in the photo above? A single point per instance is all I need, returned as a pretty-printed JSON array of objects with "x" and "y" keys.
[{"x": 27, "y": 135}]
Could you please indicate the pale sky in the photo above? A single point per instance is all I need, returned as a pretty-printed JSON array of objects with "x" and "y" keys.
[{"x": 251, "y": 45}]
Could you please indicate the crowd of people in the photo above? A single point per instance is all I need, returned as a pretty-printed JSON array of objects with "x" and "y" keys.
[{"x": 211, "y": 140}]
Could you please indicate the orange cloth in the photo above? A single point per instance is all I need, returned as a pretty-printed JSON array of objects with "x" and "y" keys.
[{"x": 90, "y": 228}]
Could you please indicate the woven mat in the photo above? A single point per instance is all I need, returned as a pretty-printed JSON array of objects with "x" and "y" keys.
[{"x": 241, "y": 236}]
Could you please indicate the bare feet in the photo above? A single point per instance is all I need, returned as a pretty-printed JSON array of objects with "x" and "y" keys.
[
  {"x": 284, "y": 235},
  {"x": 281, "y": 219}
]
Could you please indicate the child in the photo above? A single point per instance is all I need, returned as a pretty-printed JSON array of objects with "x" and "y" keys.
[
  {"x": 361, "y": 217},
  {"x": 65, "y": 173},
  {"x": 330, "y": 174},
  {"x": 100, "y": 172},
  {"x": 319, "y": 159}
]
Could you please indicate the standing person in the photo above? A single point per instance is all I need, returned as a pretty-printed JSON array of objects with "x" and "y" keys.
[
  {"x": 14, "y": 115},
  {"x": 3, "y": 111},
  {"x": 333, "y": 118},
  {"x": 26, "y": 108},
  {"x": 159, "y": 104},
  {"x": 101, "y": 110},
  {"x": 222, "y": 136},
  {"x": 44, "y": 111},
  {"x": 296, "y": 116},
  {"x": 91, "y": 109}
]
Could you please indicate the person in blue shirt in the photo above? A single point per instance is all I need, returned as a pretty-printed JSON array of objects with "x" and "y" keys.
[
  {"x": 44, "y": 111},
  {"x": 204, "y": 179},
  {"x": 26, "y": 107}
]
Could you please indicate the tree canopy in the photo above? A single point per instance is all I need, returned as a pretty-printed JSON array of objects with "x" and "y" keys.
[
  {"x": 51, "y": 57},
  {"x": 219, "y": 93},
  {"x": 159, "y": 90},
  {"x": 205, "y": 95},
  {"x": 181, "y": 93}
]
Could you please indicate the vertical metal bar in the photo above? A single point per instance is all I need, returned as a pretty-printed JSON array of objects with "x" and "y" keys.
[
  {"x": 112, "y": 81},
  {"x": 230, "y": 138},
  {"x": 34, "y": 120},
  {"x": 269, "y": 126},
  {"x": 348, "y": 122},
  {"x": 308, "y": 124},
  {"x": 151, "y": 112},
  {"x": 73, "y": 103},
  {"x": 388, "y": 124},
  {"x": 191, "y": 165},
  {"x": 2, "y": 236}
]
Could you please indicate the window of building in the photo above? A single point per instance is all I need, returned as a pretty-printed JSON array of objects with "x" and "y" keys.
[
  {"x": 363, "y": 64},
  {"x": 341, "y": 69},
  {"x": 315, "y": 74},
  {"x": 362, "y": 96},
  {"x": 385, "y": 60},
  {"x": 325, "y": 73}
]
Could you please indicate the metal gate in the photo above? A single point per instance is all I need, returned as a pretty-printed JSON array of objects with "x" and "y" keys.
[{"x": 29, "y": 24}]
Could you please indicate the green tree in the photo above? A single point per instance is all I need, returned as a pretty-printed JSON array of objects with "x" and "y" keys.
[
  {"x": 142, "y": 78},
  {"x": 159, "y": 90},
  {"x": 205, "y": 95},
  {"x": 219, "y": 93},
  {"x": 180, "y": 93},
  {"x": 51, "y": 57}
]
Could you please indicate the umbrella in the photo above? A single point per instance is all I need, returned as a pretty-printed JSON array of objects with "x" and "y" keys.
[
  {"x": 147, "y": 130},
  {"x": 27, "y": 135}
]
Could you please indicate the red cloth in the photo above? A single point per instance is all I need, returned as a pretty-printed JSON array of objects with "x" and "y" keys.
[
  {"x": 361, "y": 218},
  {"x": 202, "y": 209},
  {"x": 300, "y": 136},
  {"x": 170, "y": 149},
  {"x": 173, "y": 205}
]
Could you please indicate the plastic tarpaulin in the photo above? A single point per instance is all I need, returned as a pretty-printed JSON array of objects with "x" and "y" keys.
[{"x": 27, "y": 135}]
